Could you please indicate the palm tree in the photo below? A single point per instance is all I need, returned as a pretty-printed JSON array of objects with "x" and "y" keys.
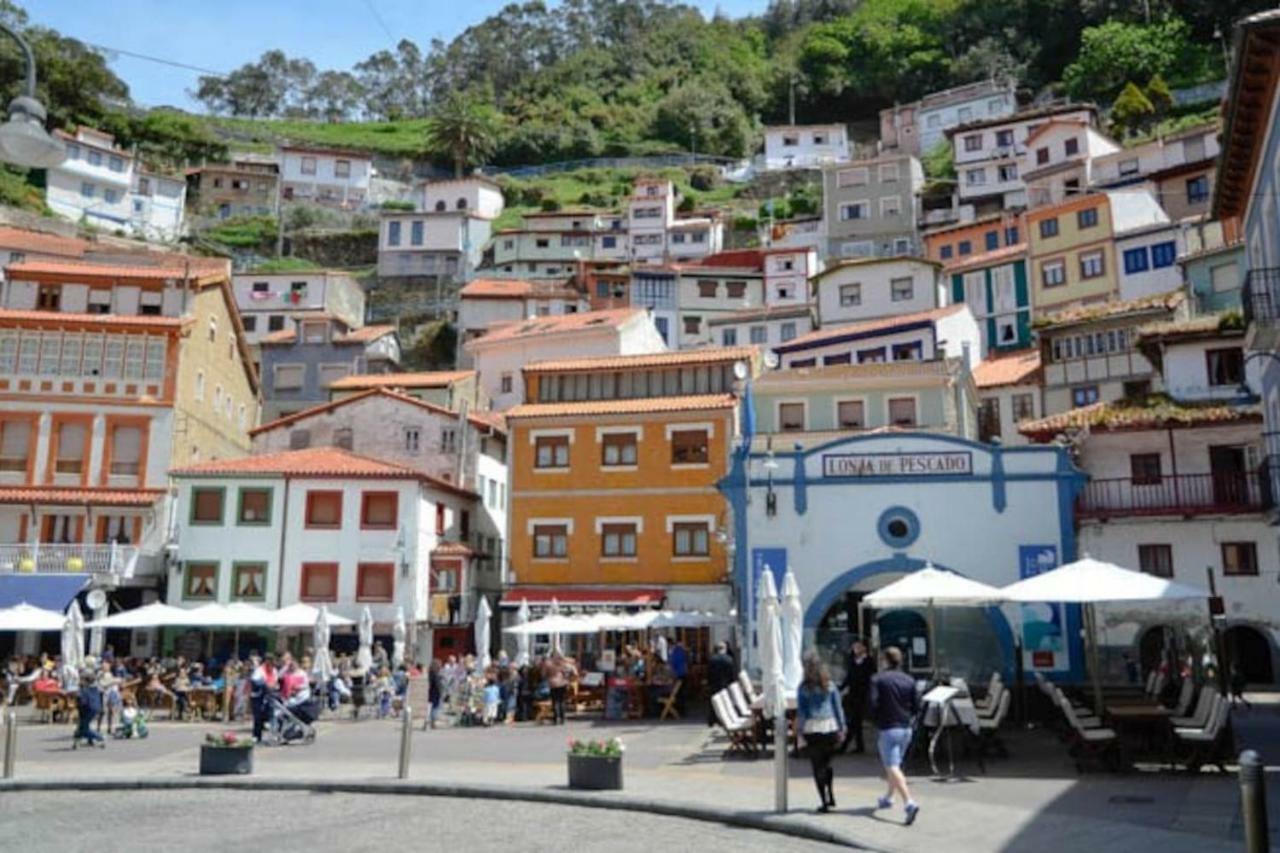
[{"x": 464, "y": 130}]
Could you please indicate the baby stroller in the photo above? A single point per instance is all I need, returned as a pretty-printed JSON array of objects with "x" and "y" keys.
[
  {"x": 290, "y": 722},
  {"x": 133, "y": 723}
]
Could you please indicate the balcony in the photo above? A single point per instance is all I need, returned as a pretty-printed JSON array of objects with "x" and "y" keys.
[
  {"x": 1181, "y": 494},
  {"x": 119, "y": 560},
  {"x": 1261, "y": 301},
  {"x": 464, "y": 614}
]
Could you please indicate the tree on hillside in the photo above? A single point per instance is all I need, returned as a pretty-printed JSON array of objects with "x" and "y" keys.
[
  {"x": 1116, "y": 52},
  {"x": 463, "y": 129},
  {"x": 1131, "y": 112},
  {"x": 275, "y": 85},
  {"x": 335, "y": 96}
]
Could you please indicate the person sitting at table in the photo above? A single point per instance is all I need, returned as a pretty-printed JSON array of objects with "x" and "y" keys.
[
  {"x": 821, "y": 725},
  {"x": 181, "y": 687},
  {"x": 45, "y": 681}
]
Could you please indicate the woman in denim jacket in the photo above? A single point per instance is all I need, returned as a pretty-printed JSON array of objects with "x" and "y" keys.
[{"x": 820, "y": 721}]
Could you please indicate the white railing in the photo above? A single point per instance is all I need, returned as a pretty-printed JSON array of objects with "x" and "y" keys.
[{"x": 49, "y": 558}]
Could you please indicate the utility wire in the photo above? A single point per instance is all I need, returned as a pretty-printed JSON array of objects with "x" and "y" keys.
[
  {"x": 373, "y": 10},
  {"x": 162, "y": 61}
]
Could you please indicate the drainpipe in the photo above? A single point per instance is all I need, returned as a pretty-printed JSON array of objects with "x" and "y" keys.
[
  {"x": 1173, "y": 465},
  {"x": 284, "y": 525}
]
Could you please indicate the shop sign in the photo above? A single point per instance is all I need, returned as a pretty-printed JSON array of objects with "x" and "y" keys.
[{"x": 923, "y": 464}]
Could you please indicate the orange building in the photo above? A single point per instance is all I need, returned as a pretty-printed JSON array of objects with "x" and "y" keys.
[
  {"x": 956, "y": 244},
  {"x": 614, "y": 473}
]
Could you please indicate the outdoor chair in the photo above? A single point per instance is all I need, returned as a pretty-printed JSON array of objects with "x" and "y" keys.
[
  {"x": 741, "y": 704},
  {"x": 1199, "y": 718},
  {"x": 1078, "y": 715},
  {"x": 748, "y": 689},
  {"x": 989, "y": 727},
  {"x": 1210, "y": 744},
  {"x": 1185, "y": 694},
  {"x": 987, "y": 704},
  {"x": 669, "y": 702},
  {"x": 741, "y": 731},
  {"x": 543, "y": 712},
  {"x": 1093, "y": 743}
]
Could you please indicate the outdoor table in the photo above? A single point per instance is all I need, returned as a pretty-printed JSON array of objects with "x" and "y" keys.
[
  {"x": 757, "y": 708},
  {"x": 946, "y": 708},
  {"x": 1148, "y": 723}
]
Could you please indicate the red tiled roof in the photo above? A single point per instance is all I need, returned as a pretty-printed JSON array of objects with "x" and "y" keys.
[
  {"x": 427, "y": 379},
  {"x": 1015, "y": 368},
  {"x": 86, "y": 269},
  {"x": 1156, "y": 412},
  {"x": 1102, "y": 310},
  {"x": 680, "y": 358},
  {"x": 452, "y": 549},
  {"x": 1078, "y": 122},
  {"x": 995, "y": 256},
  {"x": 497, "y": 288},
  {"x": 619, "y": 596},
  {"x": 559, "y": 324},
  {"x": 867, "y": 326},
  {"x": 284, "y": 336},
  {"x": 56, "y": 317},
  {"x": 750, "y": 258},
  {"x": 1208, "y": 326},
  {"x": 78, "y": 497},
  {"x": 37, "y": 242},
  {"x": 487, "y": 420},
  {"x": 642, "y": 406},
  {"x": 766, "y": 312},
  {"x": 365, "y": 334}
]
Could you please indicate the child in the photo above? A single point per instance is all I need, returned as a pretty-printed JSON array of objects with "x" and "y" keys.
[
  {"x": 386, "y": 691},
  {"x": 133, "y": 723},
  {"x": 492, "y": 695},
  {"x": 89, "y": 706}
]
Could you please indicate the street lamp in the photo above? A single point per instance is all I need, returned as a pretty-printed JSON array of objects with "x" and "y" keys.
[{"x": 23, "y": 139}]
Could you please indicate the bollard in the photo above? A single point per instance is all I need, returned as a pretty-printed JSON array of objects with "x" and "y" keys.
[
  {"x": 406, "y": 740},
  {"x": 10, "y": 743},
  {"x": 1253, "y": 802}
]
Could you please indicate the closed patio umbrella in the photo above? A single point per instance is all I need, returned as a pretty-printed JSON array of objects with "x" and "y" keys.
[
  {"x": 773, "y": 682},
  {"x": 522, "y": 640},
  {"x": 364, "y": 654},
  {"x": 398, "y": 634},
  {"x": 322, "y": 665},
  {"x": 483, "y": 617},
  {"x": 792, "y": 633},
  {"x": 555, "y": 637}
]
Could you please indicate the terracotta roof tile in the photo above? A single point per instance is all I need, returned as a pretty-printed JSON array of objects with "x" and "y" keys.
[
  {"x": 559, "y": 324},
  {"x": 365, "y": 334},
  {"x": 497, "y": 288},
  {"x": 170, "y": 267},
  {"x": 1156, "y": 412},
  {"x": 1102, "y": 310},
  {"x": 284, "y": 336},
  {"x": 767, "y": 312},
  {"x": 452, "y": 549},
  {"x": 642, "y": 406},
  {"x": 680, "y": 358},
  {"x": 1210, "y": 325},
  {"x": 78, "y": 497},
  {"x": 488, "y": 420},
  {"x": 429, "y": 379},
  {"x": 883, "y": 324},
  {"x": 37, "y": 242},
  {"x": 1015, "y": 368},
  {"x": 995, "y": 256},
  {"x": 55, "y": 317}
]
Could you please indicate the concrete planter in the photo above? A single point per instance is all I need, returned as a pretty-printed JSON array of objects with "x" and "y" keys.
[
  {"x": 226, "y": 761},
  {"x": 595, "y": 773}
]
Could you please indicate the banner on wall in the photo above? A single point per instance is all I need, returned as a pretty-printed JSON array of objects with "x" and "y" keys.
[{"x": 1044, "y": 630}]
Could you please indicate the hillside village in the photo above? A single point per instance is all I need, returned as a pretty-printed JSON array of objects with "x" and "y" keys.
[{"x": 410, "y": 392}]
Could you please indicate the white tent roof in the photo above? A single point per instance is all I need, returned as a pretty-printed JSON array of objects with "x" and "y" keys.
[
  {"x": 24, "y": 617},
  {"x": 1090, "y": 581},
  {"x": 304, "y": 616},
  {"x": 935, "y": 586},
  {"x": 154, "y": 615},
  {"x": 557, "y": 624}
]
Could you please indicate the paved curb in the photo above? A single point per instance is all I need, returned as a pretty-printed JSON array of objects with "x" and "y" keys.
[{"x": 761, "y": 821}]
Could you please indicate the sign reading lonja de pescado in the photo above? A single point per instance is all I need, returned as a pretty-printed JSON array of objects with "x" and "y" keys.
[{"x": 924, "y": 464}]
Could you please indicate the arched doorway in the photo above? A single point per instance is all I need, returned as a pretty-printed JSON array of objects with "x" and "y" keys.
[
  {"x": 1249, "y": 652},
  {"x": 1151, "y": 648}
]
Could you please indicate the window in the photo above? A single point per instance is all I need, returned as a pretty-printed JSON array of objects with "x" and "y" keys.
[
  {"x": 1239, "y": 558},
  {"x": 991, "y": 240},
  {"x": 609, "y": 242},
  {"x": 550, "y": 541},
  {"x": 110, "y": 196},
  {"x": 1004, "y": 138},
  {"x": 888, "y": 172},
  {"x": 964, "y": 247},
  {"x": 87, "y": 189},
  {"x": 707, "y": 289},
  {"x": 691, "y": 539},
  {"x": 275, "y": 323},
  {"x": 855, "y": 210},
  {"x": 890, "y": 205},
  {"x": 1087, "y": 218},
  {"x": 690, "y": 447},
  {"x": 1225, "y": 366},
  {"x": 855, "y": 177},
  {"x": 71, "y": 448},
  {"x": 375, "y": 582},
  {"x": 1137, "y": 389},
  {"x": 871, "y": 356},
  {"x": 289, "y": 376},
  {"x": 1163, "y": 254},
  {"x": 506, "y": 383},
  {"x": 1024, "y": 407},
  {"x": 850, "y": 295},
  {"x": 787, "y": 331},
  {"x": 1092, "y": 265},
  {"x": 448, "y": 440},
  {"x": 790, "y": 140},
  {"x": 1053, "y": 273},
  {"x": 837, "y": 358},
  {"x": 1048, "y": 228},
  {"x": 1128, "y": 167},
  {"x": 1144, "y": 469},
  {"x": 975, "y": 177},
  {"x": 1008, "y": 172},
  {"x": 901, "y": 290},
  {"x": 851, "y": 414},
  {"x": 342, "y": 168},
  {"x": 759, "y": 334},
  {"x": 254, "y": 507},
  {"x": 319, "y": 582},
  {"x": 944, "y": 252},
  {"x": 15, "y": 439},
  {"x": 1042, "y": 156},
  {"x": 250, "y": 322},
  {"x": 1156, "y": 560},
  {"x": 692, "y": 325},
  {"x": 973, "y": 142},
  {"x": 200, "y": 582},
  {"x": 415, "y": 233},
  {"x": 249, "y": 581},
  {"x": 1084, "y": 395},
  {"x": 551, "y": 451},
  {"x": 617, "y": 540},
  {"x": 902, "y": 411},
  {"x": 393, "y": 233},
  {"x": 1198, "y": 189},
  {"x": 308, "y": 166},
  {"x": 729, "y": 337},
  {"x": 126, "y": 451},
  {"x": 1135, "y": 260},
  {"x": 791, "y": 417},
  {"x": 324, "y": 510},
  {"x": 1071, "y": 186},
  {"x": 1071, "y": 147},
  {"x": 1011, "y": 235},
  {"x": 618, "y": 449},
  {"x": 913, "y": 351},
  {"x": 49, "y": 298},
  {"x": 819, "y": 139},
  {"x": 378, "y": 510},
  {"x": 735, "y": 289},
  {"x": 299, "y": 439}
]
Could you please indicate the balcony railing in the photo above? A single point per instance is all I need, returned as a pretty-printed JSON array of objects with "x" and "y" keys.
[
  {"x": 1261, "y": 296},
  {"x": 121, "y": 560},
  {"x": 1180, "y": 494},
  {"x": 463, "y": 612}
]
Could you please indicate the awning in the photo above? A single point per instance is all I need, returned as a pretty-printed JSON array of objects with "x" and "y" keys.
[
  {"x": 48, "y": 592},
  {"x": 584, "y": 596}
]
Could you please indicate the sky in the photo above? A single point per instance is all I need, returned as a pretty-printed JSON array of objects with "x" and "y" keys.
[{"x": 221, "y": 35}]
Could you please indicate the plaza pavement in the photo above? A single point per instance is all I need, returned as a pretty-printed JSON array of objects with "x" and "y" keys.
[{"x": 1034, "y": 801}]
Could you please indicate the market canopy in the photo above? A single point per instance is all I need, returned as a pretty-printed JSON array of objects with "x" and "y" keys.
[
  {"x": 304, "y": 616},
  {"x": 935, "y": 587},
  {"x": 1090, "y": 581},
  {"x": 154, "y": 615},
  {"x": 558, "y": 624},
  {"x": 24, "y": 617}
]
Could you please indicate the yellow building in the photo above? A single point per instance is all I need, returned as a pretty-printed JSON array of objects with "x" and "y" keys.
[{"x": 614, "y": 473}]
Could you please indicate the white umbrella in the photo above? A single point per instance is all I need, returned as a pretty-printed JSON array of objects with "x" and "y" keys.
[
  {"x": 930, "y": 587},
  {"x": 304, "y": 616},
  {"x": 77, "y": 638},
  {"x": 483, "y": 617},
  {"x": 1088, "y": 581},
  {"x": 775, "y": 692},
  {"x": 322, "y": 664},
  {"x": 154, "y": 615},
  {"x": 71, "y": 654},
  {"x": 364, "y": 654},
  {"x": 24, "y": 617},
  {"x": 522, "y": 640},
  {"x": 792, "y": 632},
  {"x": 397, "y": 638},
  {"x": 555, "y": 625}
]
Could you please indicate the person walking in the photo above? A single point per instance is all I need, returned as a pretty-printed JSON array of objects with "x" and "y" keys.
[
  {"x": 859, "y": 667},
  {"x": 557, "y": 671},
  {"x": 435, "y": 692},
  {"x": 720, "y": 674},
  {"x": 264, "y": 679},
  {"x": 88, "y": 706},
  {"x": 894, "y": 704},
  {"x": 821, "y": 723}
]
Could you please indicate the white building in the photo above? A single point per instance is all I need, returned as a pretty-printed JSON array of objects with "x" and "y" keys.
[
  {"x": 503, "y": 351},
  {"x": 484, "y": 302},
  {"x": 325, "y": 176},
  {"x": 93, "y": 185},
  {"x": 158, "y": 206},
  {"x": 1147, "y": 259},
  {"x": 769, "y": 327},
  {"x": 318, "y": 526},
  {"x": 1057, "y": 160},
  {"x": 650, "y": 212},
  {"x": 478, "y": 196},
  {"x": 433, "y": 246},
  {"x": 805, "y": 146},
  {"x": 918, "y": 127},
  {"x": 866, "y": 288},
  {"x": 1009, "y": 394},
  {"x": 269, "y": 301},
  {"x": 949, "y": 332}
]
